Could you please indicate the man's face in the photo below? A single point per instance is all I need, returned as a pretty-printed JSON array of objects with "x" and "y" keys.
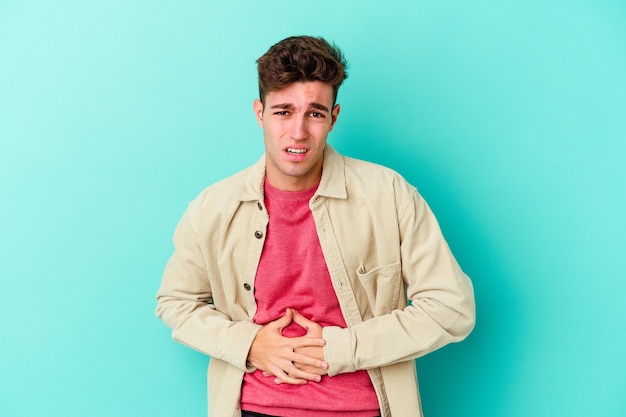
[{"x": 296, "y": 121}]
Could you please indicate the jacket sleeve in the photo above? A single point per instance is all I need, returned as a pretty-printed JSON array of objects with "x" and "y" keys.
[
  {"x": 185, "y": 301},
  {"x": 441, "y": 306}
]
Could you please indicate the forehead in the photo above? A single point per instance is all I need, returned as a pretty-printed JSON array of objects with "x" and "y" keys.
[{"x": 302, "y": 93}]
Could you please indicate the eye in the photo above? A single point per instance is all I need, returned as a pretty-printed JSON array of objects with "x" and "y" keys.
[
  {"x": 282, "y": 113},
  {"x": 316, "y": 114}
]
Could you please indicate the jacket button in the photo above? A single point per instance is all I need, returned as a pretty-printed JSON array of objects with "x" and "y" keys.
[
  {"x": 258, "y": 234},
  {"x": 247, "y": 286},
  {"x": 258, "y": 204}
]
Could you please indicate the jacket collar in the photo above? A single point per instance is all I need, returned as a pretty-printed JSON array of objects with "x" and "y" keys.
[{"x": 332, "y": 184}]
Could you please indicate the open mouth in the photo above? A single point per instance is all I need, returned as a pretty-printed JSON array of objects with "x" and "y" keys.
[{"x": 296, "y": 151}]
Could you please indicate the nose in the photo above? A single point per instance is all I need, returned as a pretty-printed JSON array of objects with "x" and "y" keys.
[{"x": 299, "y": 128}]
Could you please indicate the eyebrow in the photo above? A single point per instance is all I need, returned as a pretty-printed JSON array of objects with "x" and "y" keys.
[
  {"x": 320, "y": 107},
  {"x": 290, "y": 106},
  {"x": 282, "y": 106}
]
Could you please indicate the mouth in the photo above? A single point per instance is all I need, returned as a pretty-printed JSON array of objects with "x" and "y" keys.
[{"x": 296, "y": 151}]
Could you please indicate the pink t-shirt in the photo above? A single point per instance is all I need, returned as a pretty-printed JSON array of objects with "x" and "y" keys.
[{"x": 292, "y": 273}]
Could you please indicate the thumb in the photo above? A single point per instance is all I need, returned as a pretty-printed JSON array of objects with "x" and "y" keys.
[
  {"x": 302, "y": 321},
  {"x": 285, "y": 320}
]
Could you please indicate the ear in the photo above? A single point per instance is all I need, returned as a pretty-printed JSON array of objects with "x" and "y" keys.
[
  {"x": 257, "y": 106},
  {"x": 333, "y": 115}
]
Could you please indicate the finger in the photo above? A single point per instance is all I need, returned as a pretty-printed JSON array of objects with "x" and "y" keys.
[
  {"x": 289, "y": 314},
  {"x": 302, "y": 321},
  {"x": 291, "y": 378},
  {"x": 283, "y": 321},
  {"x": 306, "y": 341},
  {"x": 312, "y": 369},
  {"x": 290, "y": 381},
  {"x": 286, "y": 319},
  {"x": 296, "y": 376},
  {"x": 301, "y": 360},
  {"x": 308, "y": 360}
]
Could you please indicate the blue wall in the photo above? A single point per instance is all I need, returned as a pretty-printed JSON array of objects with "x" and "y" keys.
[{"x": 509, "y": 116}]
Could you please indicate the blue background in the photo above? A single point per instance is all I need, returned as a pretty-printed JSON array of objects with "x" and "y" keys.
[{"x": 509, "y": 116}]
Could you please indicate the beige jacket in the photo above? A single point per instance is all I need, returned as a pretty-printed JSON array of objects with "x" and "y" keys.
[{"x": 382, "y": 245}]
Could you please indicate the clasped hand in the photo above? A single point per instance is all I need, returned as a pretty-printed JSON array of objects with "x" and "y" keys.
[{"x": 291, "y": 360}]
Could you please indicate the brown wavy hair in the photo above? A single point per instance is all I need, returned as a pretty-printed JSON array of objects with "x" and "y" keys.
[{"x": 299, "y": 59}]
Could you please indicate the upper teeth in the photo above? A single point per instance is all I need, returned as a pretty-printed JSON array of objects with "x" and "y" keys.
[{"x": 292, "y": 150}]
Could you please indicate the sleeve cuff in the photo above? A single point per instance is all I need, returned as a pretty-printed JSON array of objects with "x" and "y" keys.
[
  {"x": 339, "y": 350},
  {"x": 241, "y": 337}
]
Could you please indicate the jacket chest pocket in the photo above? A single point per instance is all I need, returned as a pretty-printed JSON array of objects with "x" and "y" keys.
[{"x": 383, "y": 286}]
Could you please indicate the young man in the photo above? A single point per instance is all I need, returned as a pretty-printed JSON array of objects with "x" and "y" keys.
[{"x": 294, "y": 274}]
